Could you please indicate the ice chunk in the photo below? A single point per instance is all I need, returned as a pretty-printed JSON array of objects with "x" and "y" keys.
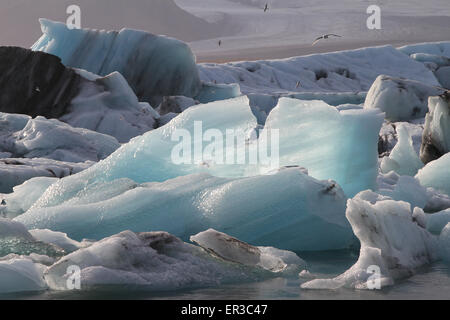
[
  {"x": 21, "y": 275},
  {"x": 403, "y": 188},
  {"x": 403, "y": 158},
  {"x": 13, "y": 229},
  {"x": 444, "y": 241},
  {"x": 53, "y": 139},
  {"x": 15, "y": 172},
  {"x": 436, "y": 136},
  {"x": 437, "y": 221},
  {"x": 438, "y": 60},
  {"x": 58, "y": 239},
  {"x": 108, "y": 105},
  {"x": 153, "y": 261},
  {"x": 332, "y": 145},
  {"x": 389, "y": 136},
  {"x": 436, "y": 174},
  {"x": 24, "y": 196},
  {"x": 232, "y": 249},
  {"x": 400, "y": 99},
  {"x": 392, "y": 244},
  {"x": 296, "y": 213},
  {"x": 154, "y": 66}
]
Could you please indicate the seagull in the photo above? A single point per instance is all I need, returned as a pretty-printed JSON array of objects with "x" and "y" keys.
[
  {"x": 297, "y": 84},
  {"x": 3, "y": 202},
  {"x": 220, "y": 43},
  {"x": 266, "y": 7},
  {"x": 325, "y": 36}
]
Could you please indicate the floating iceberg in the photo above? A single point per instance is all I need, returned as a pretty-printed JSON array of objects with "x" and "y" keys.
[
  {"x": 154, "y": 66},
  {"x": 21, "y": 275},
  {"x": 394, "y": 243},
  {"x": 444, "y": 241},
  {"x": 158, "y": 261},
  {"x": 400, "y": 99},
  {"x": 297, "y": 213},
  {"x": 436, "y": 135}
]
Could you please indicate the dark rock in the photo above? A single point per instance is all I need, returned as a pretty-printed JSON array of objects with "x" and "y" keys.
[{"x": 35, "y": 83}]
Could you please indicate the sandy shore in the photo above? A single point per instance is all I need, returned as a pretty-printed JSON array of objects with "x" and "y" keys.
[{"x": 278, "y": 52}]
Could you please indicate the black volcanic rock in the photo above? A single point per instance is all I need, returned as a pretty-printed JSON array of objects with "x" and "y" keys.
[{"x": 35, "y": 83}]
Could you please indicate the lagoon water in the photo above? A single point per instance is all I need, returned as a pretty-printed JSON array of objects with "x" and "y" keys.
[{"x": 431, "y": 282}]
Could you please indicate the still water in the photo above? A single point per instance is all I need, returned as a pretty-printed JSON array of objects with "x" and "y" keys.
[{"x": 431, "y": 282}]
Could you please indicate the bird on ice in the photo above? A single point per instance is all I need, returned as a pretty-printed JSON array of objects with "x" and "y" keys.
[
  {"x": 266, "y": 7},
  {"x": 326, "y": 36}
]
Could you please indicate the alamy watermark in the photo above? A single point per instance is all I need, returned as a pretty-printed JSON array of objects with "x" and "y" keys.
[
  {"x": 374, "y": 280},
  {"x": 74, "y": 18},
  {"x": 232, "y": 146},
  {"x": 73, "y": 274},
  {"x": 374, "y": 20}
]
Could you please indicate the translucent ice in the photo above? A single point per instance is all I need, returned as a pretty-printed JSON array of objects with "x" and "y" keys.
[{"x": 154, "y": 66}]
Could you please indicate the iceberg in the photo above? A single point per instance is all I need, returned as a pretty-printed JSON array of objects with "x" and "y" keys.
[
  {"x": 436, "y": 135},
  {"x": 394, "y": 243},
  {"x": 288, "y": 209},
  {"x": 154, "y": 66},
  {"x": 444, "y": 241},
  {"x": 155, "y": 261},
  {"x": 400, "y": 99}
]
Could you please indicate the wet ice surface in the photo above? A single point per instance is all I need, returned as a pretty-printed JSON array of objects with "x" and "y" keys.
[{"x": 431, "y": 282}]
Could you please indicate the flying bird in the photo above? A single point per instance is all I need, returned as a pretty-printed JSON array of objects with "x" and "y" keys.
[
  {"x": 326, "y": 36},
  {"x": 220, "y": 43},
  {"x": 266, "y": 7},
  {"x": 297, "y": 84}
]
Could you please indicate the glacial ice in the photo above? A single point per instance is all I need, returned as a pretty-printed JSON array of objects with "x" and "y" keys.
[
  {"x": 232, "y": 249},
  {"x": 436, "y": 135},
  {"x": 436, "y": 48},
  {"x": 443, "y": 75},
  {"x": 156, "y": 261},
  {"x": 403, "y": 159},
  {"x": 437, "y": 221},
  {"x": 297, "y": 213},
  {"x": 154, "y": 66},
  {"x": 436, "y": 174},
  {"x": 21, "y": 275},
  {"x": 16, "y": 171},
  {"x": 391, "y": 240},
  {"x": 108, "y": 105},
  {"x": 345, "y": 71},
  {"x": 400, "y": 99},
  {"x": 331, "y": 144},
  {"x": 25, "y": 137}
]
